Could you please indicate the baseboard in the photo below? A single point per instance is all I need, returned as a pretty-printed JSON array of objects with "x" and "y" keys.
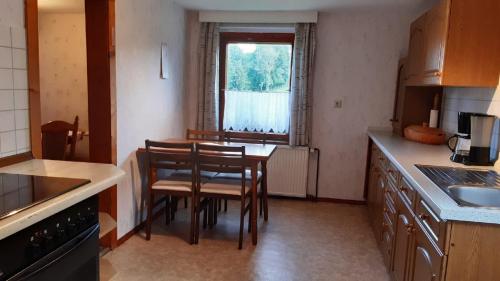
[
  {"x": 341, "y": 201},
  {"x": 320, "y": 199},
  {"x": 138, "y": 228}
]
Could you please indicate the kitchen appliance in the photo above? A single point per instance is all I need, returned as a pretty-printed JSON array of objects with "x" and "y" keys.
[
  {"x": 482, "y": 152},
  {"x": 64, "y": 246},
  {"x": 459, "y": 144}
]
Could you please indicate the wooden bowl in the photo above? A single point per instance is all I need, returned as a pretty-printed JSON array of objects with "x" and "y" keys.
[{"x": 424, "y": 134}]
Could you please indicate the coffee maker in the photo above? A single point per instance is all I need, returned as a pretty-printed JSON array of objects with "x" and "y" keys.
[{"x": 472, "y": 145}]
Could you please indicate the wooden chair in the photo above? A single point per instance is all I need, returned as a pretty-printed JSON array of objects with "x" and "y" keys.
[
  {"x": 204, "y": 135},
  {"x": 228, "y": 160},
  {"x": 55, "y": 138},
  {"x": 170, "y": 157}
]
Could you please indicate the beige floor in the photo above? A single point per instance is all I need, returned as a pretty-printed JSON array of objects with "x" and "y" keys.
[{"x": 301, "y": 241}]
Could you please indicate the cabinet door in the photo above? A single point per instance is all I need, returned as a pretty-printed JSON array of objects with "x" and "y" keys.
[
  {"x": 435, "y": 33},
  {"x": 427, "y": 259},
  {"x": 416, "y": 53},
  {"x": 403, "y": 239}
]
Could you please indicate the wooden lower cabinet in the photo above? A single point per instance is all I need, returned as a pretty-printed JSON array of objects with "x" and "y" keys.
[
  {"x": 426, "y": 258},
  {"x": 416, "y": 244},
  {"x": 403, "y": 238}
]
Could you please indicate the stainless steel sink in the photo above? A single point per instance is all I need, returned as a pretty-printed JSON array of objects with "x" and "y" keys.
[
  {"x": 476, "y": 196},
  {"x": 468, "y": 187}
]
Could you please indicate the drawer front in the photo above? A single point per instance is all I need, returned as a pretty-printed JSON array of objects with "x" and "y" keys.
[
  {"x": 389, "y": 213},
  {"x": 391, "y": 190},
  {"x": 431, "y": 223},
  {"x": 393, "y": 174},
  {"x": 408, "y": 192}
]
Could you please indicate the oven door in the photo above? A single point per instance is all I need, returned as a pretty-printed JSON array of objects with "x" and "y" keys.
[{"x": 76, "y": 260}]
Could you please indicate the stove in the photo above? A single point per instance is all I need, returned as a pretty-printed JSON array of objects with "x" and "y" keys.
[{"x": 19, "y": 192}]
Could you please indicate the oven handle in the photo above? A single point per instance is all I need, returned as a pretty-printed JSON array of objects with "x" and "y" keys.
[{"x": 56, "y": 255}]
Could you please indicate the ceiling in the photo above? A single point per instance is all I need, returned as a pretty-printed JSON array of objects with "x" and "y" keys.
[
  {"x": 286, "y": 5},
  {"x": 61, "y": 6}
]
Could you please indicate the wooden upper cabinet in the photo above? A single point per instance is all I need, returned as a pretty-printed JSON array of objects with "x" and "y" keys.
[{"x": 456, "y": 43}]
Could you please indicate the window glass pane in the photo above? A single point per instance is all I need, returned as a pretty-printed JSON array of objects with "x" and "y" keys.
[{"x": 257, "y": 87}]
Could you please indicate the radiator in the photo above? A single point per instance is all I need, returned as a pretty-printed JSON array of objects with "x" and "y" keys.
[{"x": 287, "y": 171}]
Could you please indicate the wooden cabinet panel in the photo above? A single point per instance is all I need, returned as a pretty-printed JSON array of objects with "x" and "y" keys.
[
  {"x": 426, "y": 259},
  {"x": 408, "y": 193},
  {"x": 403, "y": 239},
  {"x": 455, "y": 44},
  {"x": 431, "y": 223},
  {"x": 387, "y": 242}
]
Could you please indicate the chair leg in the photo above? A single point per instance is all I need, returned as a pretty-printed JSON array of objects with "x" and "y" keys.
[
  {"x": 173, "y": 207},
  {"x": 149, "y": 217},
  {"x": 242, "y": 222},
  {"x": 197, "y": 220},
  {"x": 261, "y": 207},
  {"x": 216, "y": 204},
  {"x": 167, "y": 210},
  {"x": 186, "y": 202},
  {"x": 266, "y": 202},
  {"x": 205, "y": 216},
  {"x": 211, "y": 213},
  {"x": 191, "y": 231},
  {"x": 219, "y": 205},
  {"x": 225, "y": 205},
  {"x": 250, "y": 217}
]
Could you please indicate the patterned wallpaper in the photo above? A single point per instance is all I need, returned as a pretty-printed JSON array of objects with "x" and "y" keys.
[
  {"x": 63, "y": 67},
  {"x": 14, "y": 114}
]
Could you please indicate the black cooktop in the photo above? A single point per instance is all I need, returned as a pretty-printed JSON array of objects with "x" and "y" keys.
[{"x": 19, "y": 192}]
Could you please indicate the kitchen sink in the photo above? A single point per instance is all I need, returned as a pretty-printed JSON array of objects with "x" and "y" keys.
[
  {"x": 476, "y": 196},
  {"x": 468, "y": 187}
]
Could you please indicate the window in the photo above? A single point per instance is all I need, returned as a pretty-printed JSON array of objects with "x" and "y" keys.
[{"x": 255, "y": 73}]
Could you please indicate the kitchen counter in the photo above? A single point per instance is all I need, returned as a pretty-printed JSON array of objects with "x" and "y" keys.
[
  {"x": 102, "y": 176},
  {"x": 405, "y": 154}
]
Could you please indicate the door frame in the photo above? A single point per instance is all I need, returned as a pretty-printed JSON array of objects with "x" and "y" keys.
[{"x": 99, "y": 26}]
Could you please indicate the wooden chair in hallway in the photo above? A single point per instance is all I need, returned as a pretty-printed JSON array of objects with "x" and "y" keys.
[
  {"x": 170, "y": 157},
  {"x": 227, "y": 160},
  {"x": 55, "y": 138}
]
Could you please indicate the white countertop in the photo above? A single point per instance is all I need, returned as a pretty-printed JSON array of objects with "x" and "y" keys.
[
  {"x": 102, "y": 176},
  {"x": 405, "y": 154}
]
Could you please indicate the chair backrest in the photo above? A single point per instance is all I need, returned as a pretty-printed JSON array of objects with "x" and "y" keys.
[
  {"x": 55, "y": 140},
  {"x": 170, "y": 156},
  {"x": 204, "y": 135},
  {"x": 256, "y": 137},
  {"x": 221, "y": 159}
]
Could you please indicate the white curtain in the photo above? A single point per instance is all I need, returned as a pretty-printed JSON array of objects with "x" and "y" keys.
[
  {"x": 302, "y": 77},
  {"x": 257, "y": 111},
  {"x": 208, "y": 86}
]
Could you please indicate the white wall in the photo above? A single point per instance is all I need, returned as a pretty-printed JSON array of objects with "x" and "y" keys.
[
  {"x": 147, "y": 106},
  {"x": 14, "y": 115},
  {"x": 357, "y": 58}
]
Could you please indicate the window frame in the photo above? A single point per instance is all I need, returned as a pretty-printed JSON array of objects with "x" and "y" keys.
[{"x": 227, "y": 38}]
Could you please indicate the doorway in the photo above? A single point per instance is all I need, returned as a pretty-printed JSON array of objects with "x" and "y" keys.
[
  {"x": 99, "y": 26},
  {"x": 63, "y": 71}
]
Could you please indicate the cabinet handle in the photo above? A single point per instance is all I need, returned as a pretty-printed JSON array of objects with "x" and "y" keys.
[
  {"x": 410, "y": 229},
  {"x": 423, "y": 216}
]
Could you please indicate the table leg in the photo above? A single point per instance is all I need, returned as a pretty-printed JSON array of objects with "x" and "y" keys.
[
  {"x": 264, "y": 189},
  {"x": 254, "y": 203}
]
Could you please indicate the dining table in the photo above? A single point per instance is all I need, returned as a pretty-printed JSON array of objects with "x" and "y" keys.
[{"x": 255, "y": 154}]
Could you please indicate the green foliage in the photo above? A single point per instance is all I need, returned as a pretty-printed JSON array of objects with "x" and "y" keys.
[{"x": 266, "y": 69}]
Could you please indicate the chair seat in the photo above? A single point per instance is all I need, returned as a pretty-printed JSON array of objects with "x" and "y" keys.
[
  {"x": 225, "y": 186},
  {"x": 248, "y": 175},
  {"x": 173, "y": 185},
  {"x": 187, "y": 174}
]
